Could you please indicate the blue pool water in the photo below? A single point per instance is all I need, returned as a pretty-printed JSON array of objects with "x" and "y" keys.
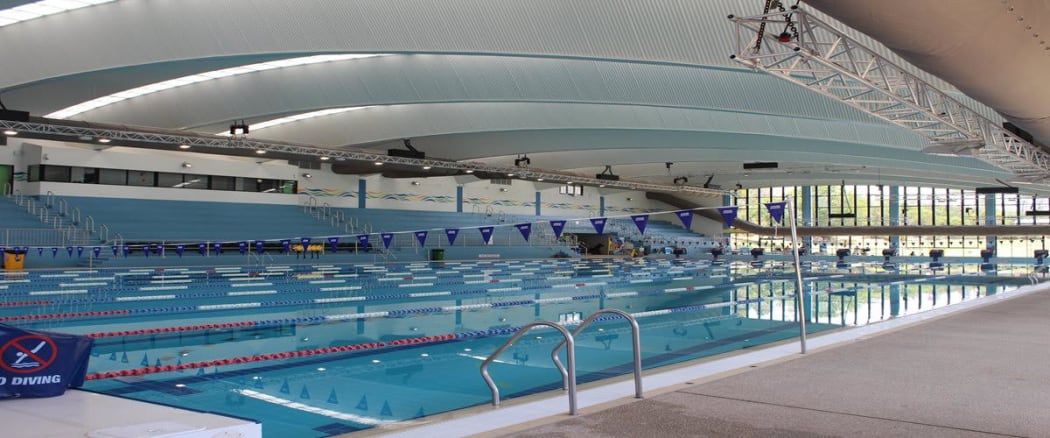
[{"x": 420, "y": 331}]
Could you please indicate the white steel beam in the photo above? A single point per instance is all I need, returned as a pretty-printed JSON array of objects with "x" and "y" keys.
[{"x": 823, "y": 59}]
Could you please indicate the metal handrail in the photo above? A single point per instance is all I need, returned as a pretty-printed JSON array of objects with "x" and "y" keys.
[
  {"x": 49, "y": 199},
  {"x": 570, "y": 358},
  {"x": 63, "y": 207},
  {"x": 89, "y": 224},
  {"x": 75, "y": 217},
  {"x": 8, "y": 189},
  {"x": 635, "y": 335},
  {"x": 103, "y": 232}
]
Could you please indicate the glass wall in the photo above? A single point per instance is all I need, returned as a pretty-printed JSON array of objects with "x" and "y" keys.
[
  {"x": 870, "y": 205},
  {"x": 141, "y": 178}
]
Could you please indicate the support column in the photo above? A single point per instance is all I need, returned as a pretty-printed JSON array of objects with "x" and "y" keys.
[
  {"x": 895, "y": 215},
  {"x": 807, "y": 215},
  {"x": 362, "y": 192},
  {"x": 601, "y": 206},
  {"x": 459, "y": 199},
  {"x": 539, "y": 202},
  {"x": 989, "y": 219},
  {"x": 895, "y": 300}
]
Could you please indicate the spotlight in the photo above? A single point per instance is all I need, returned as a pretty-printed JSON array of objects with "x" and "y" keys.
[
  {"x": 469, "y": 171},
  {"x": 260, "y": 151},
  {"x": 10, "y": 132},
  {"x": 239, "y": 128},
  {"x": 378, "y": 163},
  {"x": 325, "y": 158},
  {"x": 426, "y": 167},
  {"x": 184, "y": 146},
  {"x": 539, "y": 179},
  {"x": 510, "y": 174},
  {"x": 103, "y": 140}
]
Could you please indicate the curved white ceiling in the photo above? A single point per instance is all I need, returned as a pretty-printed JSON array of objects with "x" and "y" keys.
[{"x": 640, "y": 81}]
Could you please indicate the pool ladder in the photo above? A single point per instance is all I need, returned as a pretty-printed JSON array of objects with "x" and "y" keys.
[{"x": 568, "y": 373}]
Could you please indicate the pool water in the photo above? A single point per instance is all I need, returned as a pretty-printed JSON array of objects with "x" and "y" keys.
[{"x": 324, "y": 350}]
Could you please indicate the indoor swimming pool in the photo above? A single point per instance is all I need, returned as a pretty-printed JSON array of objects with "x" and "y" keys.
[{"x": 329, "y": 349}]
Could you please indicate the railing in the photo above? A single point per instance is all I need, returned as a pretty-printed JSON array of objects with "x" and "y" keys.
[
  {"x": 637, "y": 344},
  {"x": 570, "y": 358}
]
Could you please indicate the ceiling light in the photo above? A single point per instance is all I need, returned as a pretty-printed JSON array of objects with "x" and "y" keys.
[
  {"x": 260, "y": 151},
  {"x": 10, "y": 132},
  {"x": 601, "y": 185},
  {"x": 68, "y": 112},
  {"x": 239, "y": 128},
  {"x": 510, "y": 174},
  {"x": 103, "y": 140},
  {"x": 426, "y": 167},
  {"x": 42, "y": 9},
  {"x": 378, "y": 163},
  {"x": 539, "y": 179},
  {"x": 568, "y": 182},
  {"x": 470, "y": 171},
  {"x": 324, "y": 158},
  {"x": 184, "y": 146}
]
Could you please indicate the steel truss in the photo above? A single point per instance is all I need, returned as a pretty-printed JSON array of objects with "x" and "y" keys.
[
  {"x": 84, "y": 134},
  {"x": 825, "y": 60}
]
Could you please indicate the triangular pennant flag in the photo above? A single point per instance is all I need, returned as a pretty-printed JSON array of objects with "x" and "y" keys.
[
  {"x": 113, "y": 356},
  {"x": 486, "y": 234},
  {"x": 421, "y": 236},
  {"x": 362, "y": 405},
  {"x": 259, "y": 246},
  {"x": 728, "y": 215},
  {"x": 525, "y": 229},
  {"x": 69, "y": 249},
  {"x": 124, "y": 357},
  {"x": 115, "y": 248},
  {"x": 203, "y": 248},
  {"x": 54, "y": 252},
  {"x": 776, "y": 210},
  {"x": 218, "y": 248},
  {"x": 451, "y": 233},
  {"x": 362, "y": 241},
  {"x": 640, "y": 221},
  {"x": 332, "y": 398},
  {"x": 242, "y": 247},
  {"x": 145, "y": 250},
  {"x": 388, "y": 238},
  {"x": 96, "y": 250},
  {"x": 157, "y": 362},
  {"x": 80, "y": 251},
  {"x": 558, "y": 227},
  {"x": 305, "y": 393},
  {"x": 286, "y": 246},
  {"x": 599, "y": 224},
  {"x": 179, "y": 249},
  {"x": 127, "y": 250},
  {"x": 686, "y": 216},
  {"x": 385, "y": 411},
  {"x": 305, "y": 242},
  {"x": 159, "y": 249},
  {"x": 40, "y": 251},
  {"x": 284, "y": 387},
  {"x": 334, "y": 242}
]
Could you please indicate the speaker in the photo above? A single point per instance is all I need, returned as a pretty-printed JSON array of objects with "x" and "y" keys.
[
  {"x": 761, "y": 165},
  {"x": 14, "y": 116}
]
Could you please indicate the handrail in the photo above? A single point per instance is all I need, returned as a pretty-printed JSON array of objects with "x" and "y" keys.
[
  {"x": 103, "y": 232},
  {"x": 89, "y": 224},
  {"x": 49, "y": 199},
  {"x": 570, "y": 358},
  {"x": 75, "y": 217},
  {"x": 63, "y": 207},
  {"x": 635, "y": 335},
  {"x": 8, "y": 189}
]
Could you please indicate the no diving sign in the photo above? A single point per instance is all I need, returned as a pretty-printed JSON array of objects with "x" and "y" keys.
[
  {"x": 28, "y": 354},
  {"x": 41, "y": 364}
]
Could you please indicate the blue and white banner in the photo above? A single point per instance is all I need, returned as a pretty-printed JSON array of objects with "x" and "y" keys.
[
  {"x": 69, "y": 250},
  {"x": 362, "y": 241},
  {"x": 486, "y": 234},
  {"x": 388, "y": 238},
  {"x": 260, "y": 246},
  {"x": 80, "y": 251},
  {"x": 305, "y": 242},
  {"x": 217, "y": 248},
  {"x": 115, "y": 249},
  {"x": 686, "y": 216},
  {"x": 41, "y": 364},
  {"x": 776, "y": 210},
  {"x": 640, "y": 221},
  {"x": 334, "y": 243},
  {"x": 203, "y": 248},
  {"x": 421, "y": 236},
  {"x": 525, "y": 229},
  {"x": 96, "y": 250},
  {"x": 145, "y": 250},
  {"x": 558, "y": 227},
  {"x": 126, "y": 250},
  {"x": 242, "y": 246},
  {"x": 599, "y": 224},
  {"x": 179, "y": 249},
  {"x": 728, "y": 215},
  {"x": 451, "y": 233},
  {"x": 54, "y": 252},
  {"x": 286, "y": 245}
]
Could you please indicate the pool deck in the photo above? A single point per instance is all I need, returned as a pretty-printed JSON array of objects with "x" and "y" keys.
[{"x": 978, "y": 368}]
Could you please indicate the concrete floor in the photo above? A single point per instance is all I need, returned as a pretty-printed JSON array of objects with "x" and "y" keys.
[{"x": 979, "y": 372}]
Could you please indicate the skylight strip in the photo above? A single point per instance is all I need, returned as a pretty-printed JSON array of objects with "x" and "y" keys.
[
  {"x": 156, "y": 87},
  {"x": 302, "y": 116},
  {"x": 43, "y": 8}
]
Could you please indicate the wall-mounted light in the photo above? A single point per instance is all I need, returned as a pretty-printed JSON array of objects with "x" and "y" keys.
[
  {"x": 503, "y": 189},
  {"x": 415, "y": 183},
  {"x": 307, "y": 175},
  {"x": 187, "y": 164},
  {"x": 629, "y": 199}
]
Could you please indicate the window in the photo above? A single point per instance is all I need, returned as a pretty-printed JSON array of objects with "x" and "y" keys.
[
  {"x": 55, "y": 173},
  {"x": 142, "y": 178},
  {"x": 113, "y": 176}
]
